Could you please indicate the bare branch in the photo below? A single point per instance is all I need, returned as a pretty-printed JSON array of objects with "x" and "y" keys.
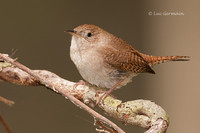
[
  {"x": 142, "y": 113},
  {"x": 6, "y": 101},
  {"x": 5, "y": 124}
]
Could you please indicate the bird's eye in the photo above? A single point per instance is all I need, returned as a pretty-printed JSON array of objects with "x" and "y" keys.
[{"x": 89, "y": 34}]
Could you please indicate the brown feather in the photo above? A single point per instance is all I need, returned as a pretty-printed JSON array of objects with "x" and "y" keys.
[
  {"x": 154, "y": 60},
  {"x": 124, "y": 57}
]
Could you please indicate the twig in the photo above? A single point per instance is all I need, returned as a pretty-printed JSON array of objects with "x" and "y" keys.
[
  {"x": 104, "y": 128},
  {"x": 6, "y": 101},
  {"x": 5, "y": 125}
]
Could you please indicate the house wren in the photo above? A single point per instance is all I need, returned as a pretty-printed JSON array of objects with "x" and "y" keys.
[{"x": 108, "y": 61}]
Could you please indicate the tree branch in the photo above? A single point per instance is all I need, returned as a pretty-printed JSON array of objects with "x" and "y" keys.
[
  {"x": 142, "y": 113},
  {"x": 6, "y": 101},
  {"x": 5, "y": 125}
]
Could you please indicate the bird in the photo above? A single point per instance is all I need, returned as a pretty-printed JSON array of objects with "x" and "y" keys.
[{"x": 107, "y": 61}]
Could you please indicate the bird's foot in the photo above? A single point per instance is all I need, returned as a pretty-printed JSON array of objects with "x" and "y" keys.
[
  {"x": 104, "y": 95},
  {"x": 80, "y": 82}
]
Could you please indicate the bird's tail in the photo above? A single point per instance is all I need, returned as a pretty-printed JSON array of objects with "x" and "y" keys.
[{"x": 154, "y": 60}]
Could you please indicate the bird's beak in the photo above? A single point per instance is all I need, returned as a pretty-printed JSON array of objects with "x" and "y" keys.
[{"x": 73, "y": 33}]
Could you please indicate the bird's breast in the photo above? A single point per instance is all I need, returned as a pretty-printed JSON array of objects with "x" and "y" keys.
[{"x": 88, "y": 62}]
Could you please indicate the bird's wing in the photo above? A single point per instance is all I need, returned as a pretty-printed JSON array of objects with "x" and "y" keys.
[{"x": 125, "y": 59}]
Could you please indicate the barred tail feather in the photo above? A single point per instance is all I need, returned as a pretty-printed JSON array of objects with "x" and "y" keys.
[{"x": 154, "y": 60}]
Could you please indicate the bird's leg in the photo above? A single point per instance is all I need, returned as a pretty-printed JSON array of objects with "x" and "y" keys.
[
  {"x": 106, "y": 93},
  {"x": 80, "y": 82}
]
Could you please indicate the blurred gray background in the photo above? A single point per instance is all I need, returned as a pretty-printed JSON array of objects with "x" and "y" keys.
[{"x": 36, "y": 28}]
